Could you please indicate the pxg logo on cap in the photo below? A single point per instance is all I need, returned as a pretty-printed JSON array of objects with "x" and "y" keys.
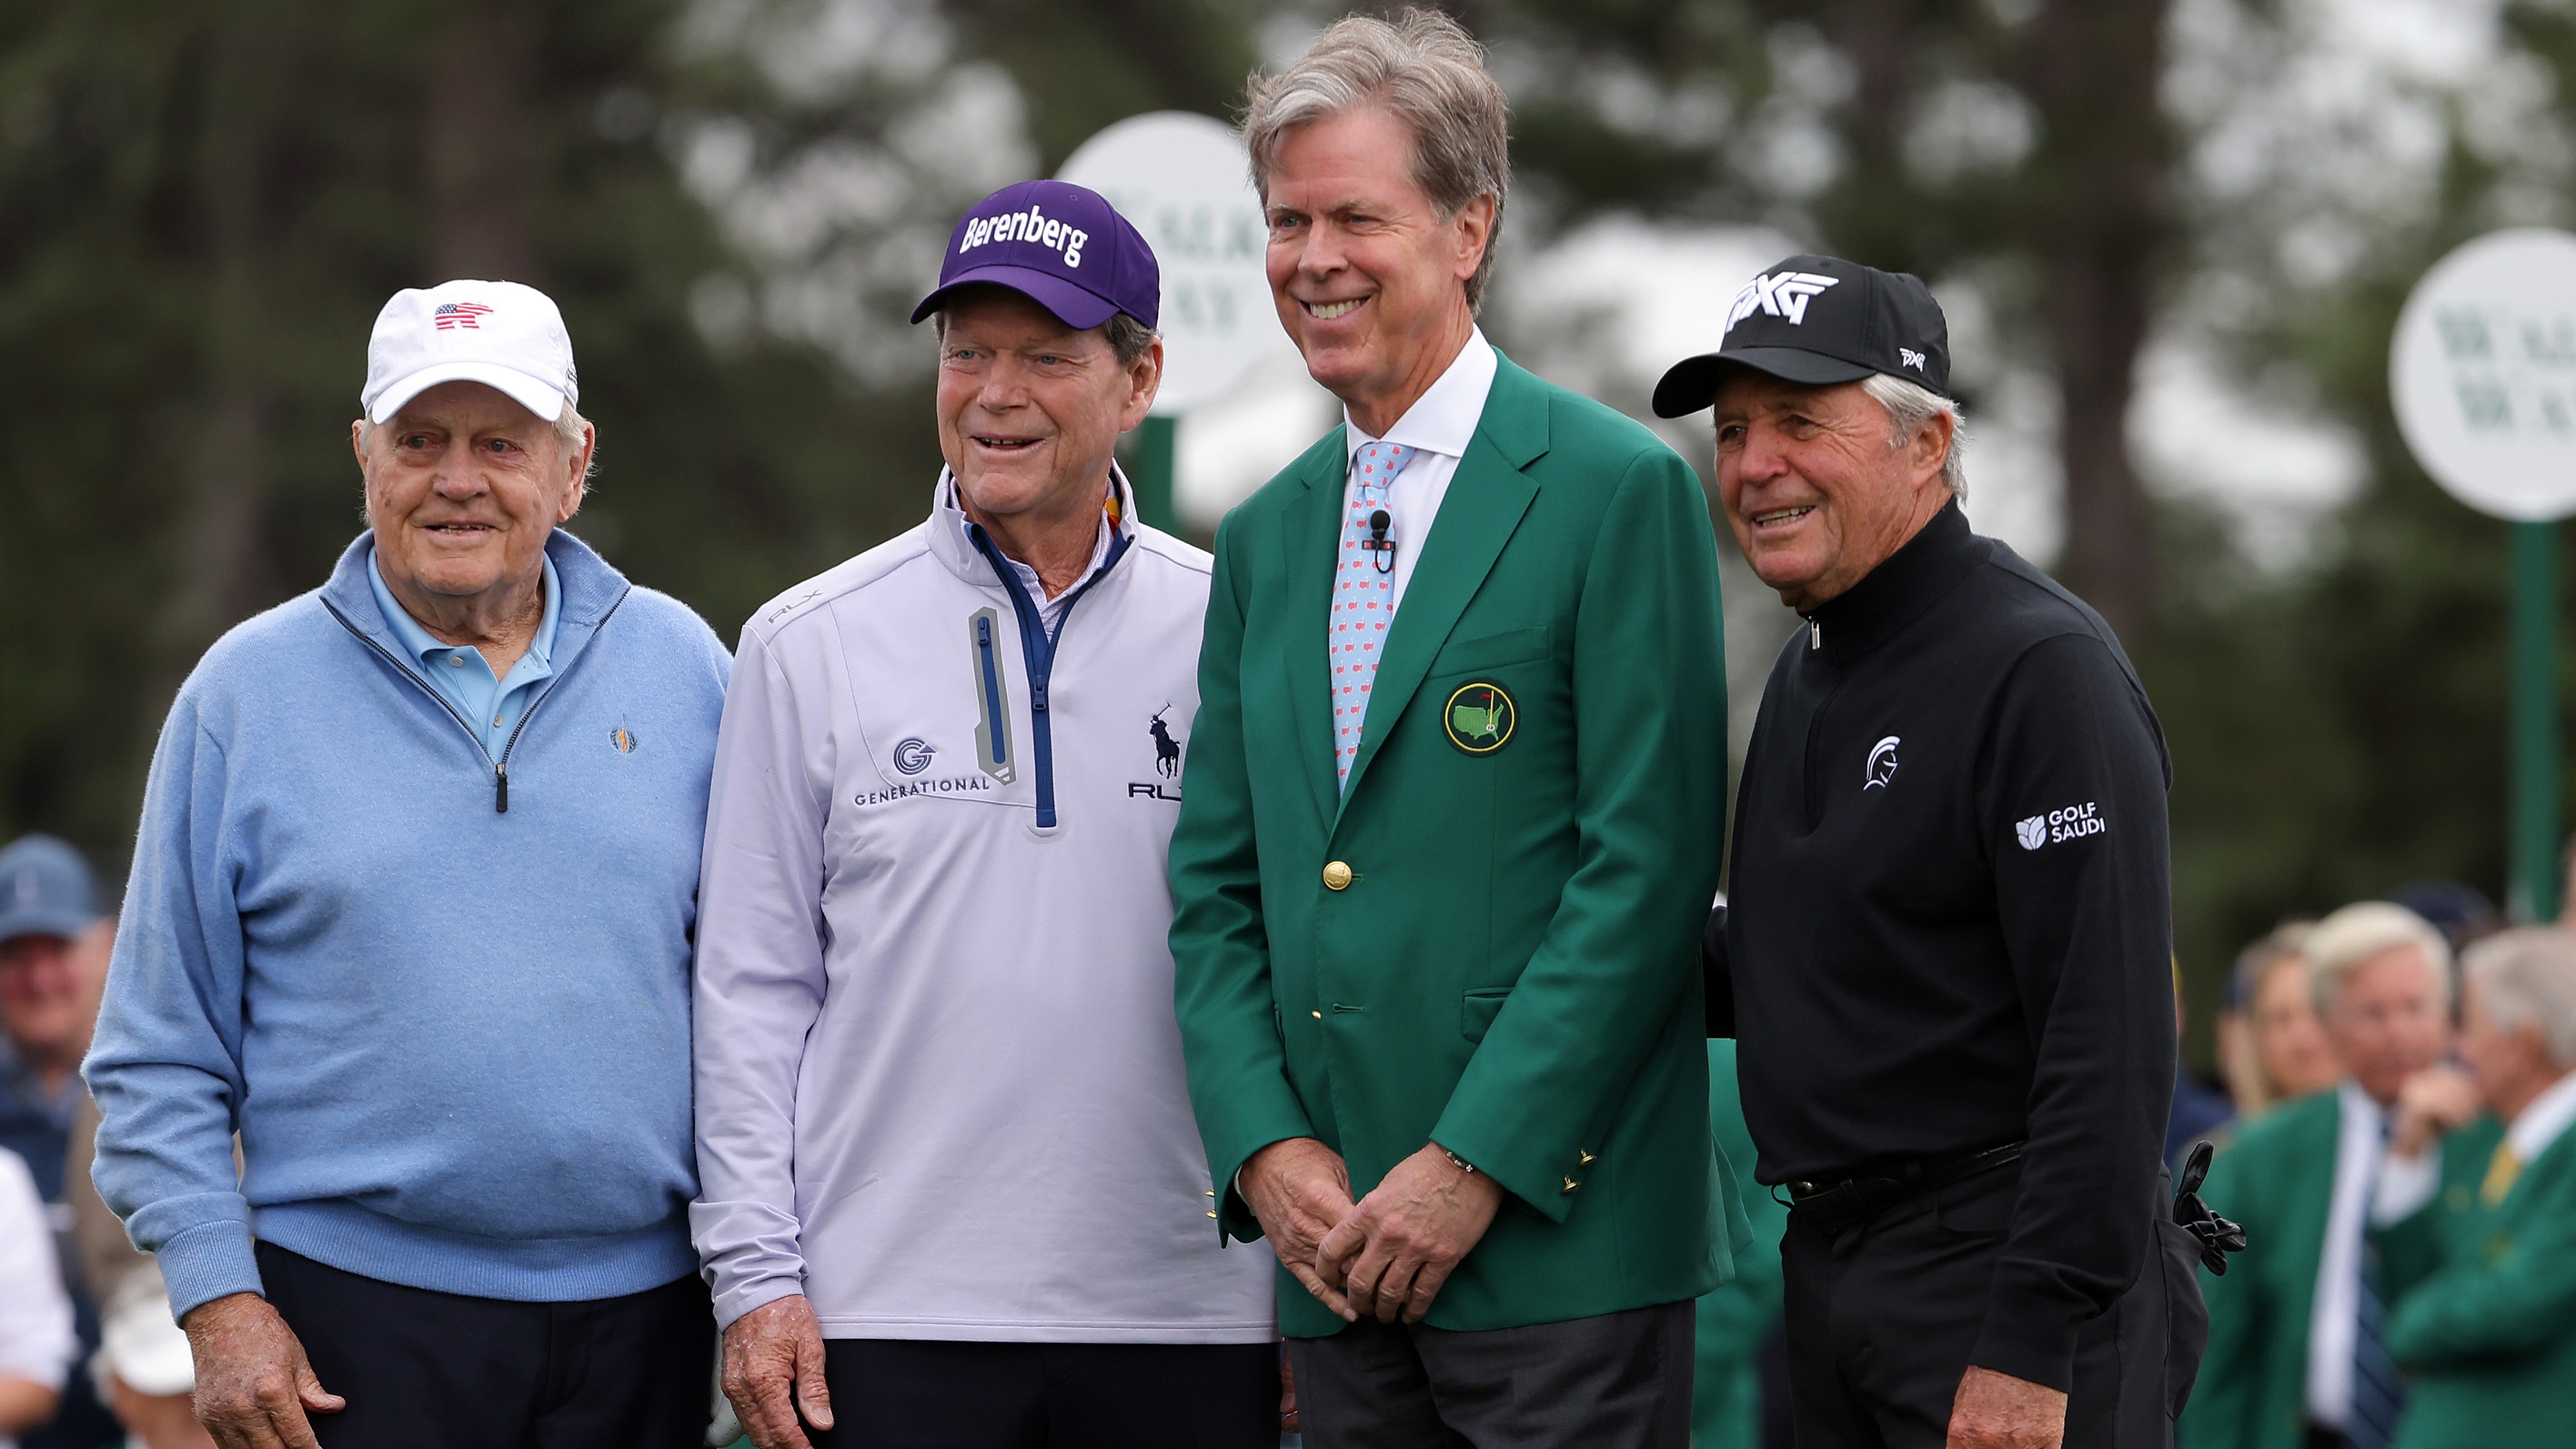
[
  {"x": 1061, "y": 246},
  {"x": 501, "y": 334},
  {"x": 1819, "y": 321}
]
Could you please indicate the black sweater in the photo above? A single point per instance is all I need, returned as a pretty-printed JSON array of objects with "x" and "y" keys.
[{"x": 1951, "y": 920}]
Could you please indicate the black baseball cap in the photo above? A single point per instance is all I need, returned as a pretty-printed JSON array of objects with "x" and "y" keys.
[{"x": 1821, "y": 321}]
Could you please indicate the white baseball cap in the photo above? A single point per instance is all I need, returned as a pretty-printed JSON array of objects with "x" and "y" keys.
[{"x": 501, "y": 334}]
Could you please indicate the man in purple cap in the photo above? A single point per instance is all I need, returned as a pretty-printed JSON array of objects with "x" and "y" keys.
[{"x": 952, "y": 1193}]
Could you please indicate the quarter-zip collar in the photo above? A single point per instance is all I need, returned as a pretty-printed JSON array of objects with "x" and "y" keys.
[
  {"x": 590, "y": 588},
  {"x": 952, "y": 545},
  {"x": 1897, "y": 592},
  {"x": 978, "y": 560}
]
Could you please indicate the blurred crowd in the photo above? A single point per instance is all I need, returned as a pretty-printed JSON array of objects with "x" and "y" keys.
[
  {"x": 2388, "y": 1076},
  {"x": 89, "y": 1356},
  {"x": 2397, "y": 1078}
]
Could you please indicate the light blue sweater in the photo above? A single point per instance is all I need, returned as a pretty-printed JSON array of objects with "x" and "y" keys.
[{"x": 454, "y": 1038}]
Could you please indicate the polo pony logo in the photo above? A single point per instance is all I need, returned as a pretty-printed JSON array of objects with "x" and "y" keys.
[{"x": 1167, "y": 751}]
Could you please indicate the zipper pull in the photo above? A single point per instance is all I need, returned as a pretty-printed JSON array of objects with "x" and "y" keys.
[
  {"x": 1815, "y": 635},
  {"x": 501, "y": 789}
]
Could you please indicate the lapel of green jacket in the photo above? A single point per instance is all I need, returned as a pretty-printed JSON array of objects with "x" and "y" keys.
[
  {"x": 1310, "y": 545},
  {"x": 1485, "y": 501},
  {"x": 2307, "y": 1179}
]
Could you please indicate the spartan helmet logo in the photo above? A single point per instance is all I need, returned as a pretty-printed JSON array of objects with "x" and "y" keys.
[{"x": 1882, "y": 765}]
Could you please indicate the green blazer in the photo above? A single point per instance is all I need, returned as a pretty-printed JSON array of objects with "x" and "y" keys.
[
  {"x": 2277, "y": 1179},
  {"x": 2482, "y": 1303},
  {"x": 1525, "y": 855}
]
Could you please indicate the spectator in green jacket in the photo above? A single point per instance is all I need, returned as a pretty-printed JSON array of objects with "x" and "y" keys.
[
  {"x": 2478, "y": 1257},
  {"x": 2297, "y": 1358}
]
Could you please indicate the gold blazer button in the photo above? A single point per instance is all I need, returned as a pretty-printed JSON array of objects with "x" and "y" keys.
[{"x": 1337, "y": 875}]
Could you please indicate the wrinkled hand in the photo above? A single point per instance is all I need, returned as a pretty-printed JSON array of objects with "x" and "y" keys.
[
  {"x": 2441, "y": 1098},
  {"x": 773, "y": 1366},
  {"x": 1300, "y": 1189},
  {"x": 254, "y": 1385},
  {"x": 1998, "y": 1411},
  {"x": 1392, "y": 1253}
]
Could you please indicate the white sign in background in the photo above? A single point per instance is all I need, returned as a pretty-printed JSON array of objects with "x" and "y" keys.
[
  {"x": 2483, "y": 373},
  {"x": 1182, "y": 180}
]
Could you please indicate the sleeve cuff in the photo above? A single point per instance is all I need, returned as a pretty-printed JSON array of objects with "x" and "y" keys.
[
  {"x": 207, "y": 1262},
  {"x": 2029, "y": 1334},
  {"x": 2406, "y": 1184},
  {"x": 736, "y": 1301}
]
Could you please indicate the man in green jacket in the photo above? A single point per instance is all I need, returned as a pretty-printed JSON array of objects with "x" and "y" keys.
[
  {"x": 1728, "y": 1410},
  {"x": 1452, "y": 818},
  {"x": 2289, "y": 1365},
  {"x": 2480, "y": 1262}
]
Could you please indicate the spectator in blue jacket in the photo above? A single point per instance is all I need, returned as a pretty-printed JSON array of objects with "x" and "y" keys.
[{"x": 410, "y": 914}]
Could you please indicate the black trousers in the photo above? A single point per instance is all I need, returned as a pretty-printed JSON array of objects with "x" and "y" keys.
[
  {"x": 891, "y": 1393},
  {"x": 1615, "y": 1381},
  {"x": 424, "y": 1370},
  {"x": 1881, "y": 1319}
]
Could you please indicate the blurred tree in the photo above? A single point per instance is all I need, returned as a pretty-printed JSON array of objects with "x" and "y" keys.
[
  {"x": 201, "y": 209},
  {"x": 2024, "y": 143}
]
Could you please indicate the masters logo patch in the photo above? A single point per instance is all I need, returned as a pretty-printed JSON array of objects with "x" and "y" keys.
[{"x": 1479, "y": 717}]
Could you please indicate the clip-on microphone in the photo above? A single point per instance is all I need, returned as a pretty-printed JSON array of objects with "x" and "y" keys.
[{"x": 1378, "y": 543}]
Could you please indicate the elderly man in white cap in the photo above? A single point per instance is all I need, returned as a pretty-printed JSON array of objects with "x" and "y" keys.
[{"x": 411, "y": 914}]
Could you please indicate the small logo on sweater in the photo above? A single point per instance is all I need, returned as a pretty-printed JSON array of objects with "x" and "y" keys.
[
  {"x": 622, "y": 740},
  {"x": 1882, "y": 765},
  {"x": 914, "y": 755},
  {"x": 2059, "y": 826}
]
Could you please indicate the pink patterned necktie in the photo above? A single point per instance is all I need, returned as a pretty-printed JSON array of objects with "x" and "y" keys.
[{"x": 1363, "y": 597}]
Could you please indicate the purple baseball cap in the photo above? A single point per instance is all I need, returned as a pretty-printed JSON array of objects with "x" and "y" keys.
[{"x": 1062, "y": 247}]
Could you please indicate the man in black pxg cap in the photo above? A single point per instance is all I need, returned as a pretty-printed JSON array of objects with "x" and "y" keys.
[{"x": 1949, "y": 939}]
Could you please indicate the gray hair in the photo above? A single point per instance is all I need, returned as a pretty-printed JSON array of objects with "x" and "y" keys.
[
  {"x": 1911, "y": 405},
  {"x": 2528, "y": 975},
  {"x": 1426, "y": 71},
  {"x": 2357, "y": 933},
  {"x": 568, "y": 430}
]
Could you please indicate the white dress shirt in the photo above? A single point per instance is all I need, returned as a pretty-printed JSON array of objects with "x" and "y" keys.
[
  {"x": 36, "y": 1339},
  {"x": 1439, "y": 426},
  {"x": 2359, "y": 1145},
  {"x": 2407, "y": 1183}
]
